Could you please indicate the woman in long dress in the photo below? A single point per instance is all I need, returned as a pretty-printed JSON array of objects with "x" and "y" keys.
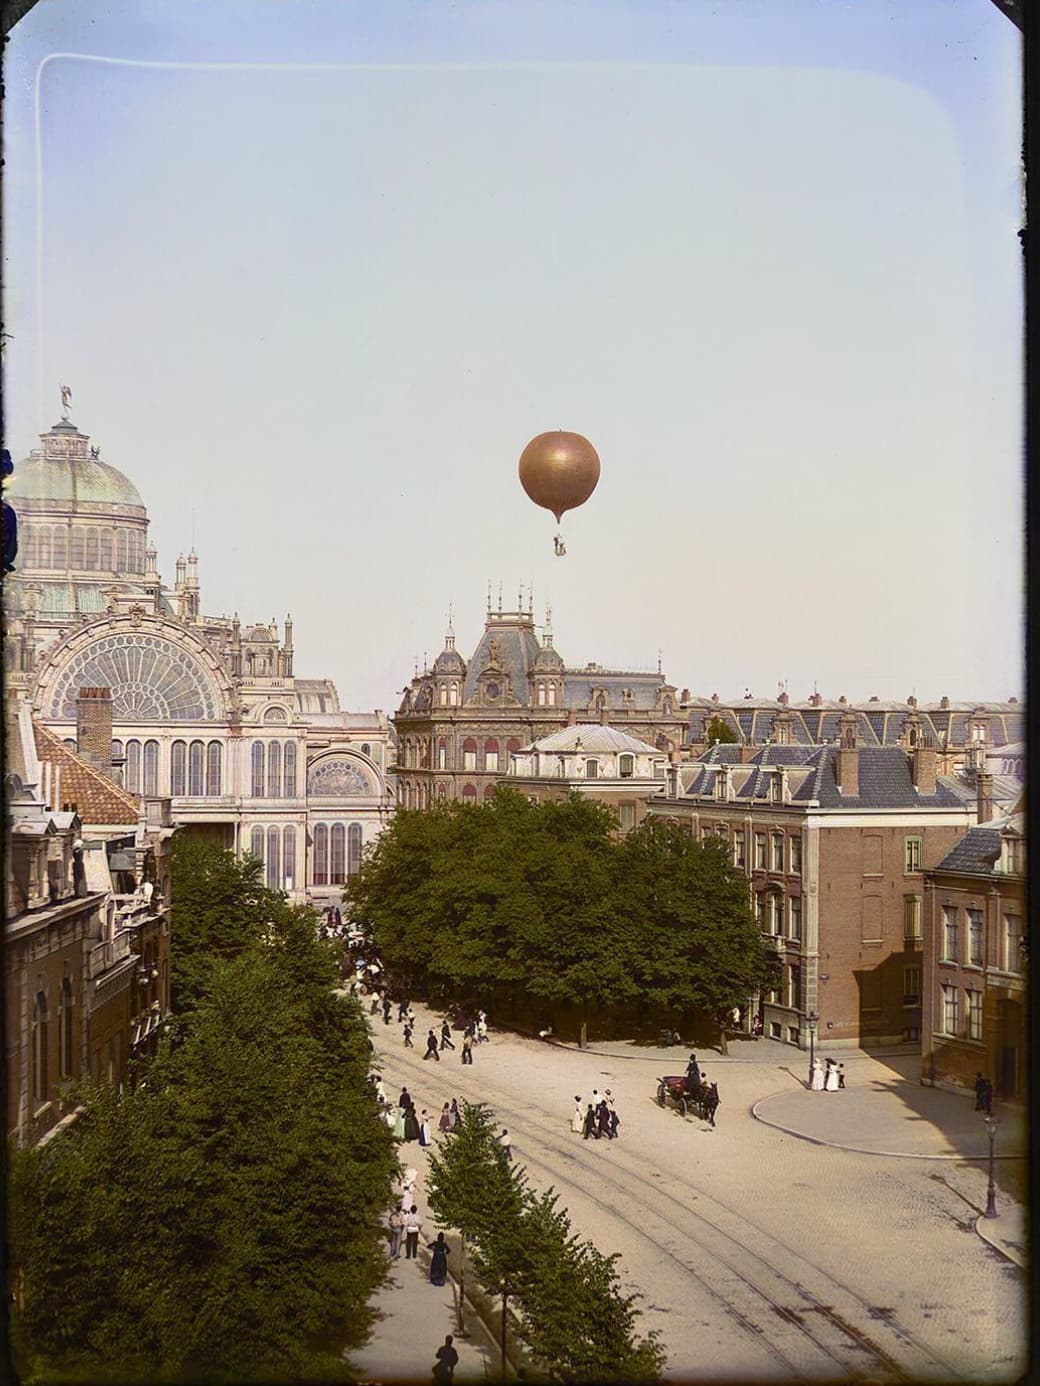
[
  {"x": 445, "y": 1120},
  {"x": 578, "y": 1119},
  {"x": 439, "y": 1263},
  {"x": 816, "y": 1081},
  {"x": 455, "y": 1113},
  {"x": 411, "y": 1125},
  {"x": 830, "y": 1078},
  {"x": 399, "y": 1116},
  {"x": 425, "y": 1134}
]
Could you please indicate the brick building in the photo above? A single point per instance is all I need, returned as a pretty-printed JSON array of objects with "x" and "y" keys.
[
  {"x": 834, "y": 841},
  {"x": 460, "y": 721},
  {"x": 596, "y": 761},
  {"x": 975, "y": 958}
]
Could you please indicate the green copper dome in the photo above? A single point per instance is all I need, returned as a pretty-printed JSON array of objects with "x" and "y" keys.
[{"x": 63, "y": 472}]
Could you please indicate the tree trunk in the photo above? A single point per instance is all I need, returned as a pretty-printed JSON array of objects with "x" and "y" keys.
[
  {"x": 462, "y": 1282},
  {"x": 505, "y": 1301}
]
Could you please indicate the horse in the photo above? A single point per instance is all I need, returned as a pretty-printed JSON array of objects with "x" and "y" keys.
[{"x": 705, "y": 1101}]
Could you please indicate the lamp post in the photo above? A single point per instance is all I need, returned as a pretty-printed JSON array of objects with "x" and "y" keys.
[
  {"x": 992, "y": 1123},
  {"x": 813, "y": 1020}
]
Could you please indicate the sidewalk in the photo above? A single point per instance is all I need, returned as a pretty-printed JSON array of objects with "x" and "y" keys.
[{"x": 1007, "y": 1233}]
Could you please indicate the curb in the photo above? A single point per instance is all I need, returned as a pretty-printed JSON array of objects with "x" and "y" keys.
[{"x": 1002, "y": 1249}]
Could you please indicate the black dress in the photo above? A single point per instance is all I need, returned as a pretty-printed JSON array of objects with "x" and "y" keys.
[
  {"x": 439, "y": 1263},
  {"x": 411, "y": 1125}
]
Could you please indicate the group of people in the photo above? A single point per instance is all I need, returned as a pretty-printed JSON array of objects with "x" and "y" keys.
[
  {"x": 406, "y": 1226},
  {"x": 597, "y": 1119},
  {"x": 828, "y": 1079}
]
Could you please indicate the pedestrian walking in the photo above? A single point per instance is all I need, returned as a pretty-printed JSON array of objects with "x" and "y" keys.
[
  {"x": 577, "y": 1119},
  {"x": 396, "y": 1233},
  {"x": 425, "y": 1134},
  {"x": 387, "y": 1008},
  {"x": 431, "y": 1047},
  {"x": 412, "y": 1228},
  {"x": 402, "y": 1009},
  {"x": 504, "y": 1142},
  {"x": 603, "y": 1120},
  {"x": 405, "y": 1100},
  {"x": 446, "y": 1040},
  {"x": 980, "y": 1092},
  {"x": 470, "y": 1031},
  {"x": 411, "y": 1125},
  {"x": 987, "y": 1096},
  {"x": 455, "y": 1113},
  {"x": 408, "y": 1035},
  {"x": 447, "y": 1361},
  {"x": 614, "y": 1122},
  {"x": 439, "y": 1263},
  {"x": 467, "y": 1050},
  {"x": 444, "y": 1124},
  {"x": 591, "y": 1129},
  {"x": 841, "y": 1075},
  {"x": 399, "y": 1115},
  {"x": 830, "y": 1078},
  {"x": 816, "y": 1076},
  {"x": 482, "y": 1033}
]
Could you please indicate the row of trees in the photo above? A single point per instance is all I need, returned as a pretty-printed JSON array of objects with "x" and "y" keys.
[
  {"x": 569, "y": 1309},
  {"x": 222, "y": 1220},
  {"x": 549, "y": 899}
]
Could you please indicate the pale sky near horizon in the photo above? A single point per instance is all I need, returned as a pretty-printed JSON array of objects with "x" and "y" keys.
[{"x": 762, "y": 254}]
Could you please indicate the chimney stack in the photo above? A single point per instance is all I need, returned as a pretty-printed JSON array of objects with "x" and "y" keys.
[
  {"x": 94, "y": 727},
  {"x": 846, "y": 769},
  {"x": 923, "y": 764},
  {"x": 984, "y": 786}
]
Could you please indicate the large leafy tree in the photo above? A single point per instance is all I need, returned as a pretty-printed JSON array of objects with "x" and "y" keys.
[{"x": 718, "y": 729}]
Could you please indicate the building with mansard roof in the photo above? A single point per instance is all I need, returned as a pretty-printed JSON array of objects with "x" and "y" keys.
[
  {"x": 461, "y": 720},
  {"x": 594, "y": 760},
  {"x": 208, "y": 710}
]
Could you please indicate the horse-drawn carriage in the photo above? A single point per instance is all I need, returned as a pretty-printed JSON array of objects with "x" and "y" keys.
[{"x": 702, "y": 1099}]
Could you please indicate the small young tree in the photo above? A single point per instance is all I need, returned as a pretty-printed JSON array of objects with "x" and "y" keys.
[{"x": 720, "y": 730}]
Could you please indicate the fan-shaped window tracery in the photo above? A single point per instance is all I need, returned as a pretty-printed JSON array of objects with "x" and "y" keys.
[
  {"x": 151, "y": 679},
  {"x": 333, "y": 779}
]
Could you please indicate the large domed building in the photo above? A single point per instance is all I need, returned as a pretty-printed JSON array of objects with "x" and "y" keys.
[{"x": 205, "y": 709}]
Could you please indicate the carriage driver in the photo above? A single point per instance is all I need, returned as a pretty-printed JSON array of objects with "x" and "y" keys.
[{"x": 693, "y": 1075}]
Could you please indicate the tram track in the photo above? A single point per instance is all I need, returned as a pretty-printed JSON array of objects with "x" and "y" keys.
[{"x": 803, "y": 1318}]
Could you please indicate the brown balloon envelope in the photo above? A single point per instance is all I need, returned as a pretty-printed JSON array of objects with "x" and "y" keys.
[{"x": 559, "y": 471}]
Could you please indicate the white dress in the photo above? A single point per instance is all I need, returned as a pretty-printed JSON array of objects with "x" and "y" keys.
[
  {"x": 830, "y": 1082},
  {"x": 817, "y": 1077},
  {"x": 577, "y": 1121}
]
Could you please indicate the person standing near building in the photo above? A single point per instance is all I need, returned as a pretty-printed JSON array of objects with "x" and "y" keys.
[
  {"x": 830, "y": 1078},
  {"x": 412, "y": 1228},
  {"x": 841, "y": 1075},
  {"x": 591, "y": 1129},
  {"x": 980, "y": 1092}
]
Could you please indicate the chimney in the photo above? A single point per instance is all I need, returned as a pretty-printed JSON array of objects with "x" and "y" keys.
[
  {"x": 846, "y": 768},
  {"x": 94, "y": 727},
  {"x": 923, "y": 766},
  {"x": 984, "y": 785}
]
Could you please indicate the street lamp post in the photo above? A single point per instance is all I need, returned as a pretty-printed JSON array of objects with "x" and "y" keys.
[
  {"x": 813, "y": 1020},
  {"x": 992, "y": 1123}
]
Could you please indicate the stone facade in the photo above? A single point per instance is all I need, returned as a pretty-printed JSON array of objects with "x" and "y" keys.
[
  {"x": 460, "y": 721},
  {"x": 596, "y": 761}
]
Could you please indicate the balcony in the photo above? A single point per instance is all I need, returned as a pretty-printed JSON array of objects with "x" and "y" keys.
[{"x": 108, "y": 955}]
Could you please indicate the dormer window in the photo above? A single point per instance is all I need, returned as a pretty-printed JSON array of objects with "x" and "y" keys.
[
  {"x": 444, "y": 695},
  {"x": 453, "y": 695},
  {"x": 626, "y": 766},
  {"x": 777, "y": 787},
  {"x": 1011, "y": 856},
  {"x": 552, "y": 695},
  {"x": 591, "y": 769},
  {"x": 722, "y": 784}
]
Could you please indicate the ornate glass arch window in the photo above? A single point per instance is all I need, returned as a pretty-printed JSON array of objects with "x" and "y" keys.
[
  {"x": 337, "y": 779},
  {"x": 39, "y": 1048},
  {"x": 151, "y": 767},
  {"x": 337, "y": 854},
  {"x": 133, "y": 766},
  {"x": 274, "y": 859},
  {"x": 276, "y": 714},
  {"x": 289, "y": 856},
  {"x": 320, "y": 865},
  {"x": 76, "y": 549},
  {"x": 151, "y": 678},
  {"x": 354, "y": 849},
  {"x": 274, "y": 770},
  {"x": 214, "y": 769},
  {"x": 66, "y": 1031},
  {"x": 258, "y": 770},
  {"x": 196, "y": 764},
  {"x": 256, "y": 843},
  {"x": 289, "y": 770},
  {"x": 178, "y": 766}
]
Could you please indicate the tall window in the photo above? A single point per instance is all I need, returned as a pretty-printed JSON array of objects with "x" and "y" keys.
[
  {"x": 760, "y": 910},
  {"x": 591, "y": 769},
  {"x": 975, "y": 937},
  {"x": 321, "y": 854},
  {"x": 354, "y": 849},
  {"x": 453, "y": 695},
  {"x": 337, "y": 854},
  {"x": 739, "y": 848},
  {"x": 92, "y": 549},
  {"x": 778, "y": 851},
  {"x": 949, "y": 941},
  {"x": 796, "y": 855},
  {"x": 196, "y": 767},
  {"x": 76, "y": 547},
  {"x": 912, "y": 985},
  {"x": 133, "y": 766},
  {"x": 469, "y": 754},
  {"x": 760, "y": 851},
  {"x": 442, "y": 754},
  {"x": 44, "y": 554},
  {"x": 39, "y": 1048},
  {"x": 274, "y": 859},
  {"x": 122, "y": 565},
  {"x": 258, "y": 769},
  {"x": 795, "y": 908},
  {"x": 973, "y": 1016},
  {"x": 66, "y": 1031},
  {"x": 289, "y": 856},
  {"x": 118, "y": 755},
  {"x": 911, "y": 918},
  {"x": 627, "y": 817},
  {"x": 105, "y": 551},
  {"x": 491, "y": 755},
  {"x": 911, "y": 855},
  {"x": 214, "y": 769},
  {"x": 178, "y": 764},
  {"x": 626, "y": 766},
  {"x": 151, "y": 767},
  {"x": 469, "y": 791},
  {"x": 274, "y": 770},
  {"x": 60, "y": 547},
  {"x": 1012, "y": 943},
  {"x": 256, "y": 843},
  {"x": 778, "y": 913},
  {"x": 950, "y": 1009},
  {"x": 795, "y": 986},
  {"x": 541, "y": 695},
  {"x": 444, "y": 695},
  {"x": 552, "y": 695},
  {"x": 289, "y": 770}
]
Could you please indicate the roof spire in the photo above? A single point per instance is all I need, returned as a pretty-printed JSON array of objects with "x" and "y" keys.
[{"x": 449, "y": 639}]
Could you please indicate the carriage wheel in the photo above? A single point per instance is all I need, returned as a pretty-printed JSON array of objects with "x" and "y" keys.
[
  {"x": 662, "y": 1095},
  {"x": 681, "y": 1104}
]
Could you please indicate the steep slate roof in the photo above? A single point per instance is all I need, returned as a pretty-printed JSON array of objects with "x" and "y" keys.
[
  {"x": 517, "y": 648},
  {"x": 878, "y": 722},
  {"x": 595, "y": 738},
  {"x": 979, "y": 849},
  {"x": 578, "y": 686},
  {"x": 98, "y": 798}
]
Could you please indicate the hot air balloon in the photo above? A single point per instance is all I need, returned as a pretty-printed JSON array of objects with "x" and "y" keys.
[{"x": 559, "y": 471}]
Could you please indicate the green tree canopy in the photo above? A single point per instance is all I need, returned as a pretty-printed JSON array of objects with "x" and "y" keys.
[{"x": 718, "y": 729}]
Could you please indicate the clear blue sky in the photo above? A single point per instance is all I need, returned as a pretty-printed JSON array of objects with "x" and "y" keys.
[{"x": 763, "y": 255}]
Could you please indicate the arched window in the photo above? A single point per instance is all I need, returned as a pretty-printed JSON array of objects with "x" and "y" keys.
[
  {"x": 178, "y": 762},
  {"x": 105, "y": 551},
  {"x": 289, "y": 770},
  {"x": 274, "y": 859},
  {"x": 491, "y": 755},
  {"x": 118, "y": 761},
  {"x": 92, "y": 549},
  {"x": 196, "y": 767},
  {"x": 44, "y": 554},
  {"x": 541, "y": 695},
  {"x": 469, "y": 791},
  {"x": 133, "y": 766},
  {"x": 453, "y": 695},
  {"x": 444, "y": 695},
  {"x": 354, "y": 849},
  {"x": 512, "y": 745},
  {"x": 338, "y": 854},
  {"x": 66, "y": 1031},
  {"x": 366, "y": 749},
  {"x": 442, "y": 791},
  {"x": 60, "y": 547},
  {"x": 276, "y": 714},
  {"x": 442, "y": 753},
  {"x": 151, "y": 767},
  {"x": 289, "y": 857},
  {"x": 214, "y": 769},
  {"x": 321, "y": 855},
  {"x": 552, "y": 695},
  {"x": 489, "y": 791},
  {"x": 274, "y": 770},
  {"x": 39, "y": 1048},
  {"x": 258, "y": 769},
  {"x": 626, "y": 766},
  {"x": 469, "y": 754},
  {"x": 256, "y": 843}
]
